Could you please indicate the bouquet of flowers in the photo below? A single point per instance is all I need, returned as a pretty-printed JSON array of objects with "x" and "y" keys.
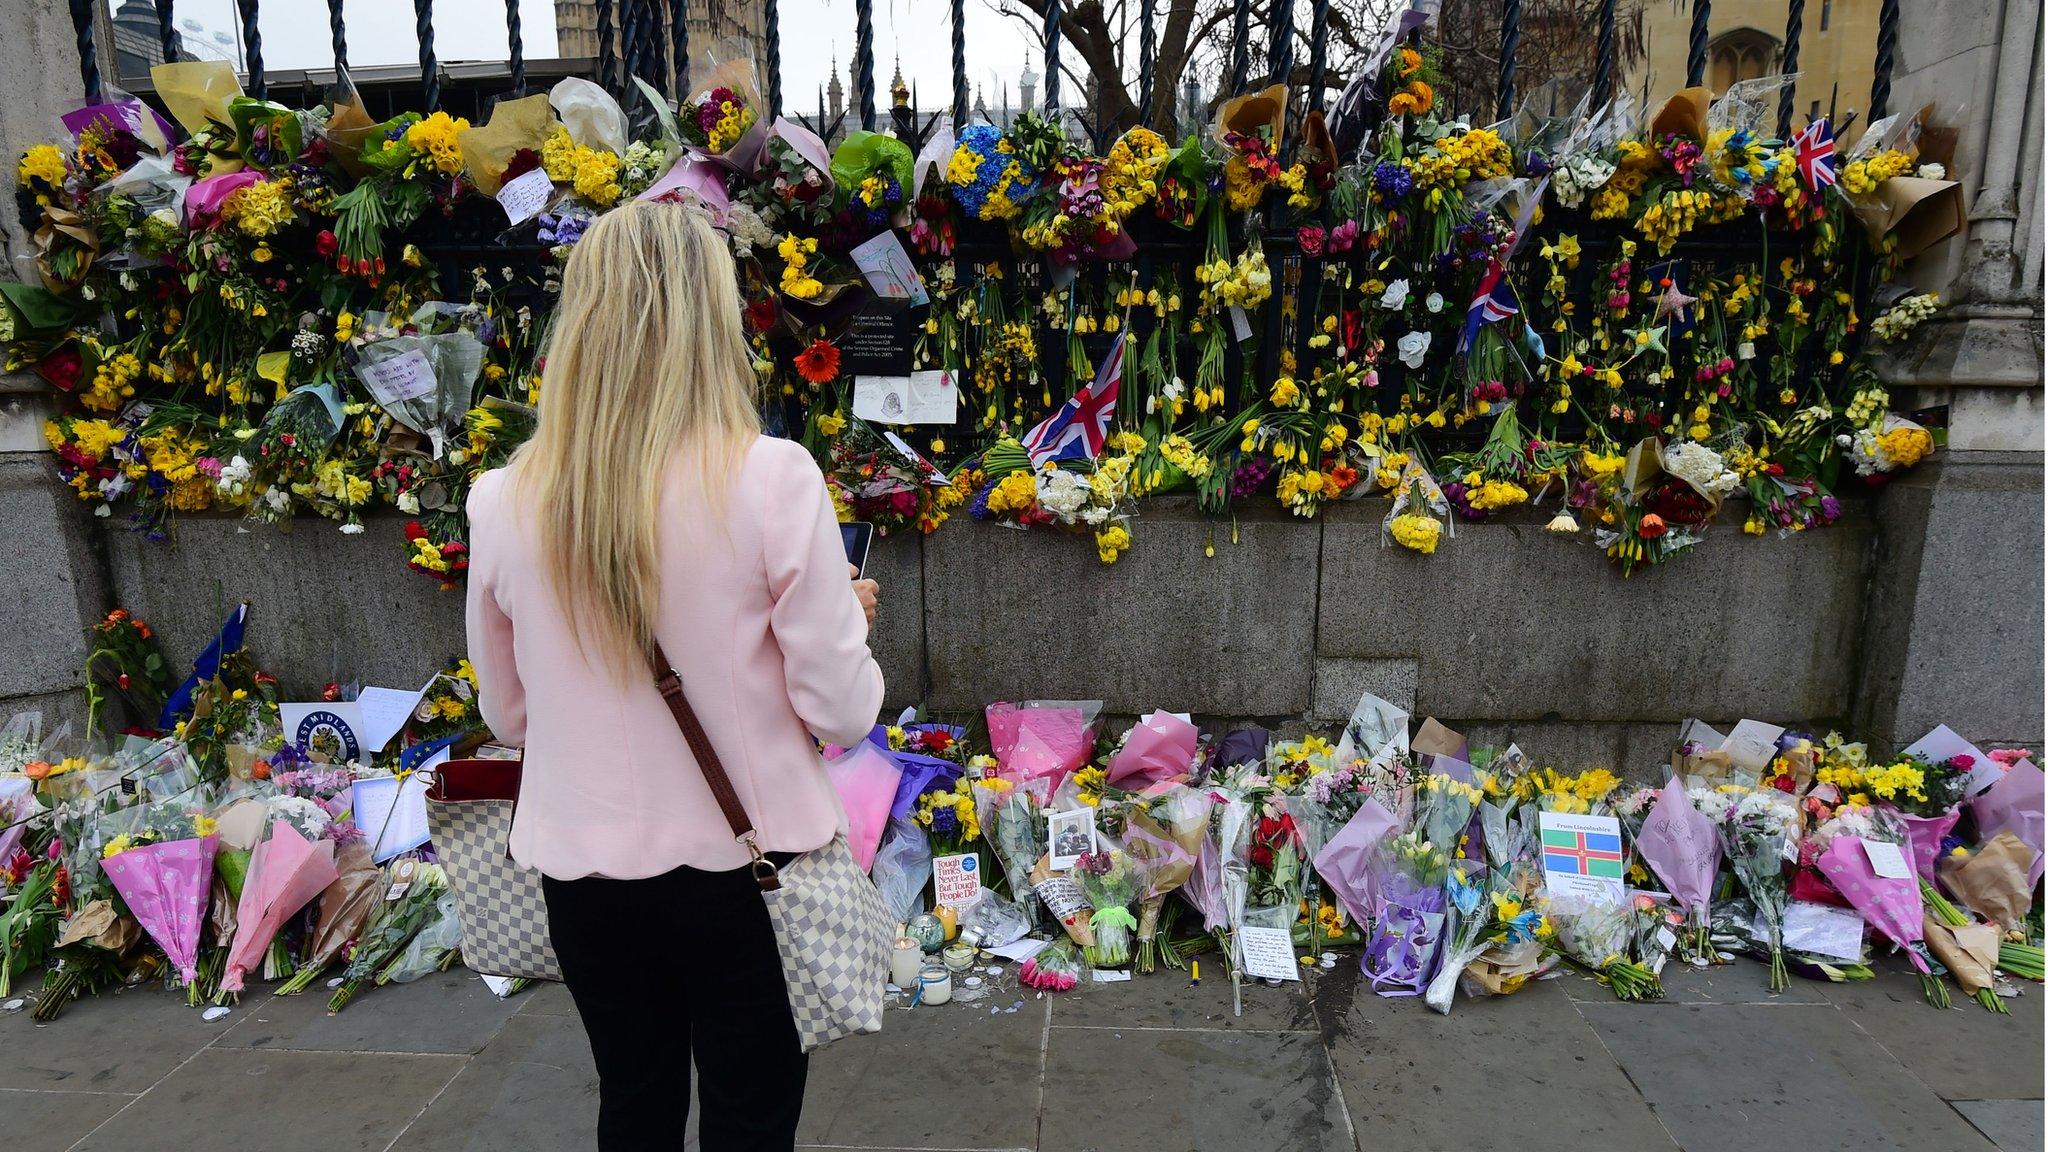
[
  {"x": 1471, "y": 913},
  {"x": 1595, "y": 936},
  {"x": 1890, "y": 905},
  {"x": 1056, "y": 968},
  {"x": 1164, "y": 836},
  {"x": 1760, "y": 836},
  {"x": 125, "y": 658},
  {"x": 393, "y": 925},
  {"x": 1402, "y": 951},
  {"x": 40, "y": 888},
  {"x": 1927, "y": 798},
  {"x": 1682, "y": 847},
  {"x": 1443, "y": 808},
  {"x": 1112, "y": 883}
]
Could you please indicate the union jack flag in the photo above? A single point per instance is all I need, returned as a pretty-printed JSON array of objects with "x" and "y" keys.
[
  {"x": 1813, "y": 149},
  {"x": 1495, "y": 301},
  {"x": 1078, "y": 429}
]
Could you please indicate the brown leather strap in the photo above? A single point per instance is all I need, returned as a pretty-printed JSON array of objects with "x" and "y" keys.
[{"x": 671, "y": 687}]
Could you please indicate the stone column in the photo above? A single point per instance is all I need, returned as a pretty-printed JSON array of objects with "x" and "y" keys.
[
  {"x": 49, "y": 566},
  {"x": 1954, "y": 630}
]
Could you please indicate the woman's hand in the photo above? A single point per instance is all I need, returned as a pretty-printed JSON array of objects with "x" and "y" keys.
[{"x": 867, "y": 591}]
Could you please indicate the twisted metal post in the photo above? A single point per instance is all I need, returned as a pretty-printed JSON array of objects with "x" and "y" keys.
[
  {"x": 337, "y": 34},
  {"x": 167, "y": 33},
  {"x": 1240, "y": 44},
  {"x": 607, "y": 53},
  {"x": 252, "y": 45},
  {"x": 629, "y": 42},
  {"x": 1318, "y": 51},
  {"x": 771, "y": 21},
  {"x": 1887, "y": 49},
  {"x": 1603, "y": 57},
  {"x": 430, "y": 68},
  {"x": 1795, "y": 22},
  {"x": 1280, "y": 46},
  {"x": 1510, "y": 43},
  {"x": 88, "y": 56},
  {"x": 864, "y": 60},
  {"x": 1146, "y": 53},
  {"x": 517, "y": 45},
  {"x": 1052, "y": 58},
  {"x": 679, "y": 50},
  {"x": 1696, "y": 44},
  {"x": 961, "y": 109}
]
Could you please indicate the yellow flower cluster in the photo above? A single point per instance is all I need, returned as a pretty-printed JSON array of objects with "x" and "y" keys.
[
  {"x": 1089, "y": 783},
  {"x": 796, "y": 252},
  {"x": 1905, "y": 445},
  {"x": 1417, "y": 532},
  {"x": 960, "y": 800},
  {"x": 1680, "y": 210},
  {"x": 1245, "y": 284},
  {"x": 1180, "y": 452},
  {"x": 1304, "y": 490},
  {"x": 1479, "y": 154},
  {"x": 113, "y": 382},
  {"x": 1491, "y": 495},
  {"x": 1861, "y": 177},
  {"x": 1566, "y": 792},
  {"x": 259, "y": 209},
  {"x": 1897, "y": 781},
  {"x": 334, "y": 482},
  {"x": 1112, "y": 542},
  {"x": 733, "y": 121},
  {"x": 1015, "y": 493},
  {"x": 438, "y": 139},
  {"x": 1130, "y": 173},
  {"x": 44, "y": 162},
  {"x": 593, "y": 172}
]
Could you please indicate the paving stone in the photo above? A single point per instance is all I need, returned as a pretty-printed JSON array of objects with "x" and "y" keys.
[
  {"x": 545, "y": 999},
  {"x": 449, "y": 1012},
  {"x": 36, "y": 1120},
  {"x": 931, "y": 1077},
  {"x": 533, "y": 1088},
  {"x": 1764, "y": 1078},
  {"x": 306, "y": 1101},
  {"x": 1145, "y": 1090},
  {"x": 1742, "y": 981},
  {"x": 1165, "y": 1000},
  {"x": 1405, "y": 1070},
  {"x": 120, "y": 1042},
  {"x": 2013, "y": 1125},
  {"x": 1964, "y": 1053}
]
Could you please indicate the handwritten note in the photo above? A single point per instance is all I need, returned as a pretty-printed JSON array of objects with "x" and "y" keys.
[
  {"x": 391, "y": 812},
  {"x": 384, "y": 712},
  {"x": 399, "y": 378},
  {"x": 526, "y": 196},
  {"x": 888, "y": 270},
  {"x": 1886, "y": 860},
  {"x": 1268, "y": 953},
  {"x": 1752, "y": 744},
  {"x": 919, "y": 398},
  {"x": 1824, "y": 930}
]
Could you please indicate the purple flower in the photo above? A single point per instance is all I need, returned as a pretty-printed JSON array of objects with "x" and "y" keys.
[
  {"x": 1830, "y": 509},
  {"x": 1392, "y": 181},
  {"x": 945, "y": 821}
]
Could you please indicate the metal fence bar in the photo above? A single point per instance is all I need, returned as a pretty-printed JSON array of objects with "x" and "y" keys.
[
  {"x": 1510, "y": 43},
  {"x": 430, "y": 68},
  {"x": 864, "y": 60},
  {"x": 771, "y": 17},
  {"x": 1318, "y": 51},
  {"x": 1146, "y": 51},
  {"x": 88, "y": 58},
  {"x": 166, "y": 31},
  {"x": 1052, "y": 57},
  {"x": 629, "y": 43},
  {"x": 1280, "y": 46},
  {"x": 1696, "y": 44},
  {"x": 607, "y": 55},
  {"x": 1887, "y": 48},
  {"x": 961, "y": 109},
  {"x": 679, "y": 53},
  {"x": 1240, "y": 44},
  {"x": 252, "y": 45},
  {"x": 1795, "y": 23},
  {"x": 337, "y": 33},
  {"x": 1603, "y": 57},
  {"x": 515, "y": 44}
]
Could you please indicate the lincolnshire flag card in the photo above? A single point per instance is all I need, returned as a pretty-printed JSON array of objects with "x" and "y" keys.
[{"x": 1582, "y": 856}]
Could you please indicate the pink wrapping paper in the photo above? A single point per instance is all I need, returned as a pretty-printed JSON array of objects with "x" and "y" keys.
[
  {"x": 2013, "y": 804},
  {"x": 285, "y": 873},
  {"x": 1203, "y": 889},
  {"x": 1890, "y": 906},
  {"x": 204, "y": 198},
  {"x": 693, "y": 179},
  {"x": 1161, "y": 747},
  {"x": 1034, "y": 742},
  {"x": 1925, "y": 834},
  {"x": 1682, "y": 846},
  {"x": 866, "y": 780},
  {"x": 166, "y": 886},
  {"x": 1345, "y": 863}
]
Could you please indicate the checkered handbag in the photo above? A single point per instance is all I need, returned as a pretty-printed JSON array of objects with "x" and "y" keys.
[
  {"x": 504, "y": 916},
  {"x": 832, "y": 928}
]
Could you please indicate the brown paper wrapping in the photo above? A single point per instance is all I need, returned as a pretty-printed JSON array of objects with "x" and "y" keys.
[
  {"x": 1644, "y": 466},
  {"x": 1685, "y": 114},
  {"x": 1918, "y": 213},
  {"x": 347, "y": 127},
  {"x": 1499, "y": 971},
  {"x": 101, "y": 926},
  {"x": 1993, "y": 882},
  {"x": 514, "y": 124},
  {"x": 1255, "y": 112},
  {"x": 1315, "y": 139},
  {"x": 1712, "y": 767},
  {"x": 196, "y": 91},
  {"x": 1970, "y": 952},
  {"x": 345, "y": 905},
  {"x": 1434, "y": 739},
  {"x": 59, "y": 226},
  {"x": 220, "y": 911}
]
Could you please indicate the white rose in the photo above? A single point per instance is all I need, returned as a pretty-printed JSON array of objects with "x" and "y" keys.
[
  {"x": 1932, "y": 172},
  {"x": 1434, "y": 302},
  {"x": 1395, "y": 295},
  {"x": 1413, "y": 348}
]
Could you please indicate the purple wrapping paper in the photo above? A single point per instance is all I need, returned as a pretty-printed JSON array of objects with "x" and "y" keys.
[
  {"x": 1345, "y": 863},
  {"x": 1925, "y": 834},
  {"x": 1891, "y": 906},
  {"x": 691, "y": 179},
  {"x": 1402, "y": 952},
  {"x": 204, "y": 199},
  {"x": 125, "y": 115},
  {"x": 1203, "y": 889},
  {"x": 1240, "y": 746},
  {"x": 2013, "y": 804},
  {"x": 1682, "y": 846},
  {"x": 921, "y": 774}
]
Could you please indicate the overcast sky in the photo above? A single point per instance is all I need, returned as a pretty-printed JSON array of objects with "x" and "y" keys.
[{"x": 295, "y": 35}]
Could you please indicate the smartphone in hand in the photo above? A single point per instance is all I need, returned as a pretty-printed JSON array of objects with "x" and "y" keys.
[{"x": 858, "y": 538}]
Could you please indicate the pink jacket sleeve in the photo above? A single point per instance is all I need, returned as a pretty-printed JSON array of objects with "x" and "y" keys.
[
  {"x": 500, "y": 695},
  {"x": 835, "y": 686}
]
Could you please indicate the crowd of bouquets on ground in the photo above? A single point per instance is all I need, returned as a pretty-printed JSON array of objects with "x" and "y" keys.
[
  {"x": 1625, "y": 315},
  {"x": 212, "y": 853}
]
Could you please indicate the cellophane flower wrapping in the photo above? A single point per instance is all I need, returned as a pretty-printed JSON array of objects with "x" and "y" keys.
[
  {"x": 1760, "y": 836},
  {"x": 866, "y": 779},
  {"x": 432, "y": 950},
  {"x": 1056, "y": 968},
  {"x": 1593, "y": 932},
  {"x": 903, "y": 866},
  {"x": 1469, "y": 912},
  {"x": 1682, "y": 848},
  {"x": 1012, "y": 815},
  {"x": 1164, "y": 838},
  {"x": 2013, "y": 804},
  {"x": 286, "y": 872},
  {"x": 1112, "y": 884},
  {"x": 1924, "y": 835},
  {"x": 1443, "y": 808},
  {"x": 1402, "y": 952},
  {"x": 1346, "y": 863},
  {"x": 1892, "y": 906},
  {"x": 166, "y": 886}
]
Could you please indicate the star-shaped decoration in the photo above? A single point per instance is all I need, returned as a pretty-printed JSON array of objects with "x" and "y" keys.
[
  {"x": 1648, "y": 338},
  {"x": 1674, "y": 302}
]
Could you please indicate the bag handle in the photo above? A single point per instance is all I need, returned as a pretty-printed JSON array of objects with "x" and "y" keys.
[{"x": 670, "y": 684}]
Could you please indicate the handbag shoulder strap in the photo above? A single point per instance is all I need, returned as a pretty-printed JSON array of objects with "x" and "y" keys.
[{"x": 671, "y": 686}]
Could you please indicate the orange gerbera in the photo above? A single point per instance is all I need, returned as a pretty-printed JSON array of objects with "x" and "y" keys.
[{"x": 818, "y": 363}]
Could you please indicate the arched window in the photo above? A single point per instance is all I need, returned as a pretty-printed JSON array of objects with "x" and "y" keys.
[{"x": 1740, "y": 54}]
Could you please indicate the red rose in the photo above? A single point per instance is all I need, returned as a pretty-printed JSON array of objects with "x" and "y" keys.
[
  {"x": 64, "y": 367},
  {"x": 326, "y": 242}
]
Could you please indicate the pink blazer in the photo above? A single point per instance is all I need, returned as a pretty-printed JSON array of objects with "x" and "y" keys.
[{"x": 759, "y": 613}]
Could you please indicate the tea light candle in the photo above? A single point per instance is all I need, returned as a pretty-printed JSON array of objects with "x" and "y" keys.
[
  {"x": 935, "y": 984},
  {"x": 904, "y": 963},
  {"x": 959, "y": 957}
]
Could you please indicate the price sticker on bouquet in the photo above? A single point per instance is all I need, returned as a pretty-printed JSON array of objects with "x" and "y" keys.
[{"x": 956, "y": 880}]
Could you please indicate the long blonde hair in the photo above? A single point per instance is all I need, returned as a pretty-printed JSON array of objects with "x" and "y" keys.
[{"x": 647, "y": 359}]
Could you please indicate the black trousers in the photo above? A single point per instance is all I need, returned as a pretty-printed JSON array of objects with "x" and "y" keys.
[{"x": 672, "y": 966}]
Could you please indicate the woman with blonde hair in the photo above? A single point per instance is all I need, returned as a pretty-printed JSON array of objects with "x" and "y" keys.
[{"x": 647, "y": 514}]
